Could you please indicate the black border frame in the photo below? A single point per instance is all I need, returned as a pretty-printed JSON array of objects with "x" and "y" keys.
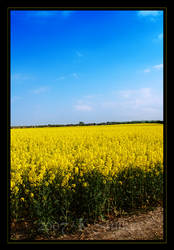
[{"x": 8, "y": 241}]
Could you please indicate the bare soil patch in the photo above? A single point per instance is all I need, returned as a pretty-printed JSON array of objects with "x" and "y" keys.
[
  {"x": 141, "y": 225},
  {"x": 144, "y": 226}
]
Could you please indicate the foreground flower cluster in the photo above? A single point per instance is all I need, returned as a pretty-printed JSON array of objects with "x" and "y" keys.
[{"x": 87, "y": 171}]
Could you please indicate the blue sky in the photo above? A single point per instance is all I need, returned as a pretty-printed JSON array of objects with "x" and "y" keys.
[{"x": 90, "y": 66}]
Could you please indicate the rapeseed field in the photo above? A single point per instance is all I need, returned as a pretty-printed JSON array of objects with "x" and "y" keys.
[{"x": 58, "y": 174}]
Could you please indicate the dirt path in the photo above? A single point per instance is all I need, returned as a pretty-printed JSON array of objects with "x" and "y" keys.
[
  {"x": 142, "y": 226},
  {"x": 147, "y": 225}
]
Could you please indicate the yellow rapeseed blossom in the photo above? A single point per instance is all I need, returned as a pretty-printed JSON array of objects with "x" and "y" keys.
[
  {"x": 31, "y": 195},
  {"x": 85, "y": 184},
  {"x": 76, "y": 170},
  {"x": 65, "y": 156}
]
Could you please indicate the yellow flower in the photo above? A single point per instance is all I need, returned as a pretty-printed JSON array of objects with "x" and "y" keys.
[
  {"x": 31, "y": 195},
  {"x": 85, "y": 184},
  {"x": 76, "y": 170},
  {"x": 12, "y": 184},
  {"x": 46, "y": 183},
  {"x": 26, "y": 191},
  {"x": 49, "y": 155},
  {"x": 52, "y": 177}
]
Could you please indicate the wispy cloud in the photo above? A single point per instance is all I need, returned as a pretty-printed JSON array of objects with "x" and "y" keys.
[
  {"x": 145, "y": 98},
  {"x": 60, "y": 78},
  {"x": 153, "y": 68},
  {"x": 40, "y": 90},
  {"x": 21, "y": 77},
  {"x": 143, "y": 103},
  {"x": 68, "y": 76},
  {"x": 78, "y": 56},
  {"x": 92, "y": 96},
  {"x": 75, "y": 75},
  {"x": 89, "y": 102},
  {"x": 82, "y": 107},
  {"x": 145, "y": 13},
  {"x": 151, "y": 15},
  {"x": 158, "y": 38},
  {"x": 158, "y": 67},
  {"x": 142, "y": 93},
  {"x": 146, "y": 70}
]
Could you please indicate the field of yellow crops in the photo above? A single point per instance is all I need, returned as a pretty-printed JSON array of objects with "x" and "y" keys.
[{"x": 58, "y": 174}]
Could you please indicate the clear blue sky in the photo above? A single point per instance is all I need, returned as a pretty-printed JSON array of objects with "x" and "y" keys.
[{"x": 90, "y": 66}]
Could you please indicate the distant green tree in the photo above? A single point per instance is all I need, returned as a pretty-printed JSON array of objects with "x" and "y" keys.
[{"x": 81, "y": 123}]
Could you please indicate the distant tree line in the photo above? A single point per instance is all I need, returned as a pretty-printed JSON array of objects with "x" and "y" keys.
[{"x": 89, "y": 124}]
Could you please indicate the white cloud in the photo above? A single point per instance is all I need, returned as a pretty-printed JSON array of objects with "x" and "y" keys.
[
  {"x": 129, "y": 104},
  {"x": 155, "y": 67},
  {"x": 60, "y": 78},
  {"x": 145, "y": 13},
  {"x": 68, "y": 76},
  {"x": 143, "y": 103},
  {"x": 125, "y": 93},
  {"x": 158, "y": 38},
  {"x": 136, "y": 94},
  {"x": 150, "y": 15},
  {"x": 92, "y": 96},
  {"x": 40, "y": 90},
  {"x": 146, "y": 70},
  {"x": 83, "y": 107},
  {"x": 158, "y": 67}
]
